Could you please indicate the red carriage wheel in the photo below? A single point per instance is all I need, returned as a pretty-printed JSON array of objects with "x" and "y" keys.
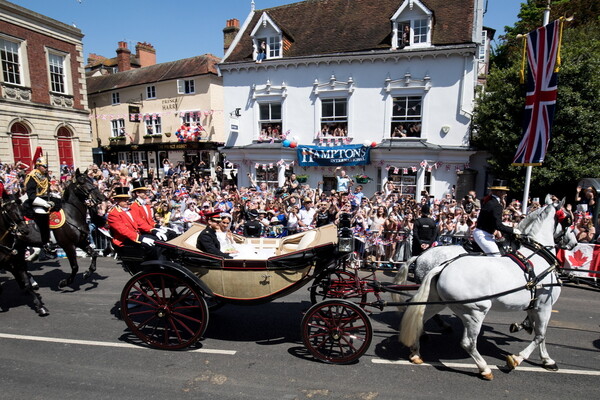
[
  {"x": 336, "y": 331},
  {"x": 337, "y": 285},
  {"x": 164, "y": 309}
]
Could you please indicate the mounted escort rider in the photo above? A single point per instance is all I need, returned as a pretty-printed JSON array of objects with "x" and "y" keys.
[
  {"x": 39, "y": 202},
  {"x": 489, "y": 222}
]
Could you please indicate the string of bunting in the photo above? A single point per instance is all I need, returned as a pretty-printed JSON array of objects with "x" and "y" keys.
[
  {"x": 427, "y": 166},
  {"x": 155, "y": 115}
]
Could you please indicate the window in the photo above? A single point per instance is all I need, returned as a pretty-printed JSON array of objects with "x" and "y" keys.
[
  {"x": 153, "y": 125},
  {"x": 405, "y": 181},
  {"x": 185, "y": 86},
  {"x": 151, "y": 92},
  {"x": 420, "y": 30},
  {"x": 116, "y": 98},
  {"x": 406, "y": 116},
  {"x": 270, "y": 120},
  {"x": 57, "y": 72},
  {"x": 268, "y": 175},
  {"x": 274, "y": 47},
  {"x": 118, "y": 127},
  {"x": 192, "y": 118},
  {"x": 334, "y": 117},
  {"x": 9, "y": 54},
  {"x": 482, "y": 46}
]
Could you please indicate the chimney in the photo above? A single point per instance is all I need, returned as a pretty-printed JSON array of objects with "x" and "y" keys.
[
  {"x": 123, "y": 57},
  {"x": 145, "y": 53},
  {"x": 229, "y": 32}
]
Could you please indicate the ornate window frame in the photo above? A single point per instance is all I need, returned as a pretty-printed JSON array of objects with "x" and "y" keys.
[
  {"x": 409, "y": 13},
  {"x": 407, "y": 86},
  {"x": 266, "y": 29},
  {"x": 268, "y": 93},
  {"x": 333, "y": 89}
]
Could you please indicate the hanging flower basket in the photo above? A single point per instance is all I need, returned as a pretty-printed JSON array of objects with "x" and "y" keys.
[
  {"x": 301, "y": 178},
  {"x": 362, "y": 179},
  {"x": 116, "y": 138}
]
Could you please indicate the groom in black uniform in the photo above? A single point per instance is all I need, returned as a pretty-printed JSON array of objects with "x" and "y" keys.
[{"x": 207, "y": 240}]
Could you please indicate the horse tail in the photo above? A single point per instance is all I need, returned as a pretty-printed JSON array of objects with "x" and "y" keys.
[
  {"x": 401, "y": 278},
  {"x": 411, "y": 326}
]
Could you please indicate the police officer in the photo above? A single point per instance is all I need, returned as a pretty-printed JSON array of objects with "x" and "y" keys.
[
  {"x": 489, "y": 222},
  {"x": 425, "y": 232},
  {"x": 39, "y": 203},
  {"x": 252, "y": 227}
]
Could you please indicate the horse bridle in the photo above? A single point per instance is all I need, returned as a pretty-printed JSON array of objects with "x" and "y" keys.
[{"x": 89, "y": 200}]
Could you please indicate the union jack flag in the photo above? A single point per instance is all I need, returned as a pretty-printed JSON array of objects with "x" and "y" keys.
[{"x": 542, "y": 50}]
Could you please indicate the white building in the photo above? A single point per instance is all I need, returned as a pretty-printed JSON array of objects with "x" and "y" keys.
[{"x": 398, "y": 75}]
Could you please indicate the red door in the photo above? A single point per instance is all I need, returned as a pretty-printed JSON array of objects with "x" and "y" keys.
[
  {"x": 20, "y": 143},
  {"x": 65, "y": 147}
]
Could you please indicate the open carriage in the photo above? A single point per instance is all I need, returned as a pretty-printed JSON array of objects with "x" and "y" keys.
[{"x": 166, "y": 303}]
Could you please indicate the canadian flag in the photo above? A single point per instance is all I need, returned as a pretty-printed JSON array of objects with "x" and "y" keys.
[{"x": 584, "y": 256}]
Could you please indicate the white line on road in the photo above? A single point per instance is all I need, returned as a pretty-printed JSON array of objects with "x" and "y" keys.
[
  {"x": 473, "y": 366},
  {"x": 106, "y": 344}
]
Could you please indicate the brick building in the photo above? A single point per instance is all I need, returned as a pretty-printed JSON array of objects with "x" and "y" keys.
[{"x": 43, "y": 98}]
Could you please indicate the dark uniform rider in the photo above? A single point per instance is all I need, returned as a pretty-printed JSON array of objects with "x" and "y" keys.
[{"x": 425, "y": 232}]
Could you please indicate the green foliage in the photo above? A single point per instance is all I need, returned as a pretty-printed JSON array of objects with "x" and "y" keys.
[{"x": 575, "y": 144}]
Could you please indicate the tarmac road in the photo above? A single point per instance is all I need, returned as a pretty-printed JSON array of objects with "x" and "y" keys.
[{"x": 82, "y": 350}]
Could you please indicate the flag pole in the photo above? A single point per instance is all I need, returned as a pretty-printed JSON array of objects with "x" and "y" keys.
[{"x": 529, "y": 168}]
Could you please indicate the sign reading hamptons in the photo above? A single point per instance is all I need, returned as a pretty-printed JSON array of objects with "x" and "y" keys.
[{"x": 315, "y": 156}]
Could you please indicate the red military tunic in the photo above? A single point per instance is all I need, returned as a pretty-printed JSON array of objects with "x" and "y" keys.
[
  {"x": 122, "y": 226},
  {"x": 143, "y": 215}
]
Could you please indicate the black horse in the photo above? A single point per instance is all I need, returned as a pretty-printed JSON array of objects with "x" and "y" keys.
[
  {"x": 80, "y": 196},
  {"x": 12, "y": 250}
]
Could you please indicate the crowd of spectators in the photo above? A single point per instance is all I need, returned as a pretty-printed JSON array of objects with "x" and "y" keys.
[{"x": 382, "y": 222}]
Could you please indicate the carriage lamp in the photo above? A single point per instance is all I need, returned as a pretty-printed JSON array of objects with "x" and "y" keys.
[{"x": 345, "y": 234}]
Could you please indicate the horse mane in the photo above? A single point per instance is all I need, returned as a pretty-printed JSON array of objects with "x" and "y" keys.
[{"x": 532, "y": 219}]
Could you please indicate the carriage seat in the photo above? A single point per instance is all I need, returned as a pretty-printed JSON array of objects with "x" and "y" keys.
[{"x": 305, "y": 241}]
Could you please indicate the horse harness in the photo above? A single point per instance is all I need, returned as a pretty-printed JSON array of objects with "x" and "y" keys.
[{"x": 12, "y": 230}]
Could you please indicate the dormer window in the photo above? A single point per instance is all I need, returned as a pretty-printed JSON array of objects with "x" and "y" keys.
[
  {"x": 266, "y": 31},
  {"x": 411, "y": 25}
]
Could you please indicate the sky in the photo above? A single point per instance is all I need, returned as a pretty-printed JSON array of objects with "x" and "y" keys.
[{"x": 182, "y": 28}]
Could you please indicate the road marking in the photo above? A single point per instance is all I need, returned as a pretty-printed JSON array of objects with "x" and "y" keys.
[
  {"x": 105, "y": 344},
  {"x": 473, "y": 366}
]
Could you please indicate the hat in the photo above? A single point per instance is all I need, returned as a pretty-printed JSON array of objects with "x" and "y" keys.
[
  {"x": 425, "y": 209},
  {"x": 253, "y": 213},
  {"x": 262, "y": 212},
  {"x": 499, "y": 184},
  {"x": 41, "y": 161},
  {"x": 121, "y": 192},
  {"x": 307, "y": 200},
  {"x": 138, "y": 185},
  {"x": 215, "y": 215}
]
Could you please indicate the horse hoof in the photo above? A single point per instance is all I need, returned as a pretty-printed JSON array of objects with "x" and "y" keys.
[
  {"x": 487, "y": 377},
  {"x": 416, "y": 360},
  {"x": 551, "y": 367},
  {"x": 514, "y": 328},
  {"x": 62, "y": 283},
  {"x": 512, "y": 362},
  {"x": 43, "y": 312}
]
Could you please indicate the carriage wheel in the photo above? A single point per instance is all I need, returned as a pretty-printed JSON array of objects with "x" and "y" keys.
[
  {"x": 164, "y": 310},
  {"x": 336, "y": 331},
  {"x": 338, "y": 285}
]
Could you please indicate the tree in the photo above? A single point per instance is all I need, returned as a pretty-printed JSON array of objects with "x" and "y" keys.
[{"x": 575, "y": 144}]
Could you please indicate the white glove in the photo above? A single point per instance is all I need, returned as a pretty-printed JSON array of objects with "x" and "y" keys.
[
  {"x": 159, "y": 233},
  {"x": 517, "y": 231},
  {"x": 38, "y": 201},
  {"x": 148, "y": 241}
]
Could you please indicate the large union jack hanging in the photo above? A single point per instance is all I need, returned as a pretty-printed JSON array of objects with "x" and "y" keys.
[{"x": 542, "y": 50}]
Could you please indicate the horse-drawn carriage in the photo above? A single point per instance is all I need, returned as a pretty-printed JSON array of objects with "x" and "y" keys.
[{"x": 165, "y": 303}]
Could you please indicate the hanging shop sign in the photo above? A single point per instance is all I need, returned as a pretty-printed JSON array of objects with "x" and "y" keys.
[{"x": 312, "y": 156}]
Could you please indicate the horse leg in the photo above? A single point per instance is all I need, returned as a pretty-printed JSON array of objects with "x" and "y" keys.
[
  {"x": 431, "y": 311},
  {"x": 32, "y": 282},
  {"x": 93, "y": 254},
  {"x": 472, "y": 319},
  {"x": 24, "y": 281},
  {"x": 72, "y": 257},
  {"x": 540, "y": 318}
]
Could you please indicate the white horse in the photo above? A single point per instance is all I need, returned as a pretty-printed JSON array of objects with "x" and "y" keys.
[{"x": 477, "y": 277}]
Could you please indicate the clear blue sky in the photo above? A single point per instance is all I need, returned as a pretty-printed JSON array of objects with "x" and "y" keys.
[{"x": 182, "y": 28}]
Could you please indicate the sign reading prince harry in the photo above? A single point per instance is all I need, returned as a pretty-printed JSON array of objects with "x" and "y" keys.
[{"x": 315, "y": 156}]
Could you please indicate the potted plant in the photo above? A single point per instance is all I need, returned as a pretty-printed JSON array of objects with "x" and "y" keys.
[
  {"x": 362, "y": 178},
  {"x": 116, "y": 138},
  {"x": 301, "y": 178}
]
